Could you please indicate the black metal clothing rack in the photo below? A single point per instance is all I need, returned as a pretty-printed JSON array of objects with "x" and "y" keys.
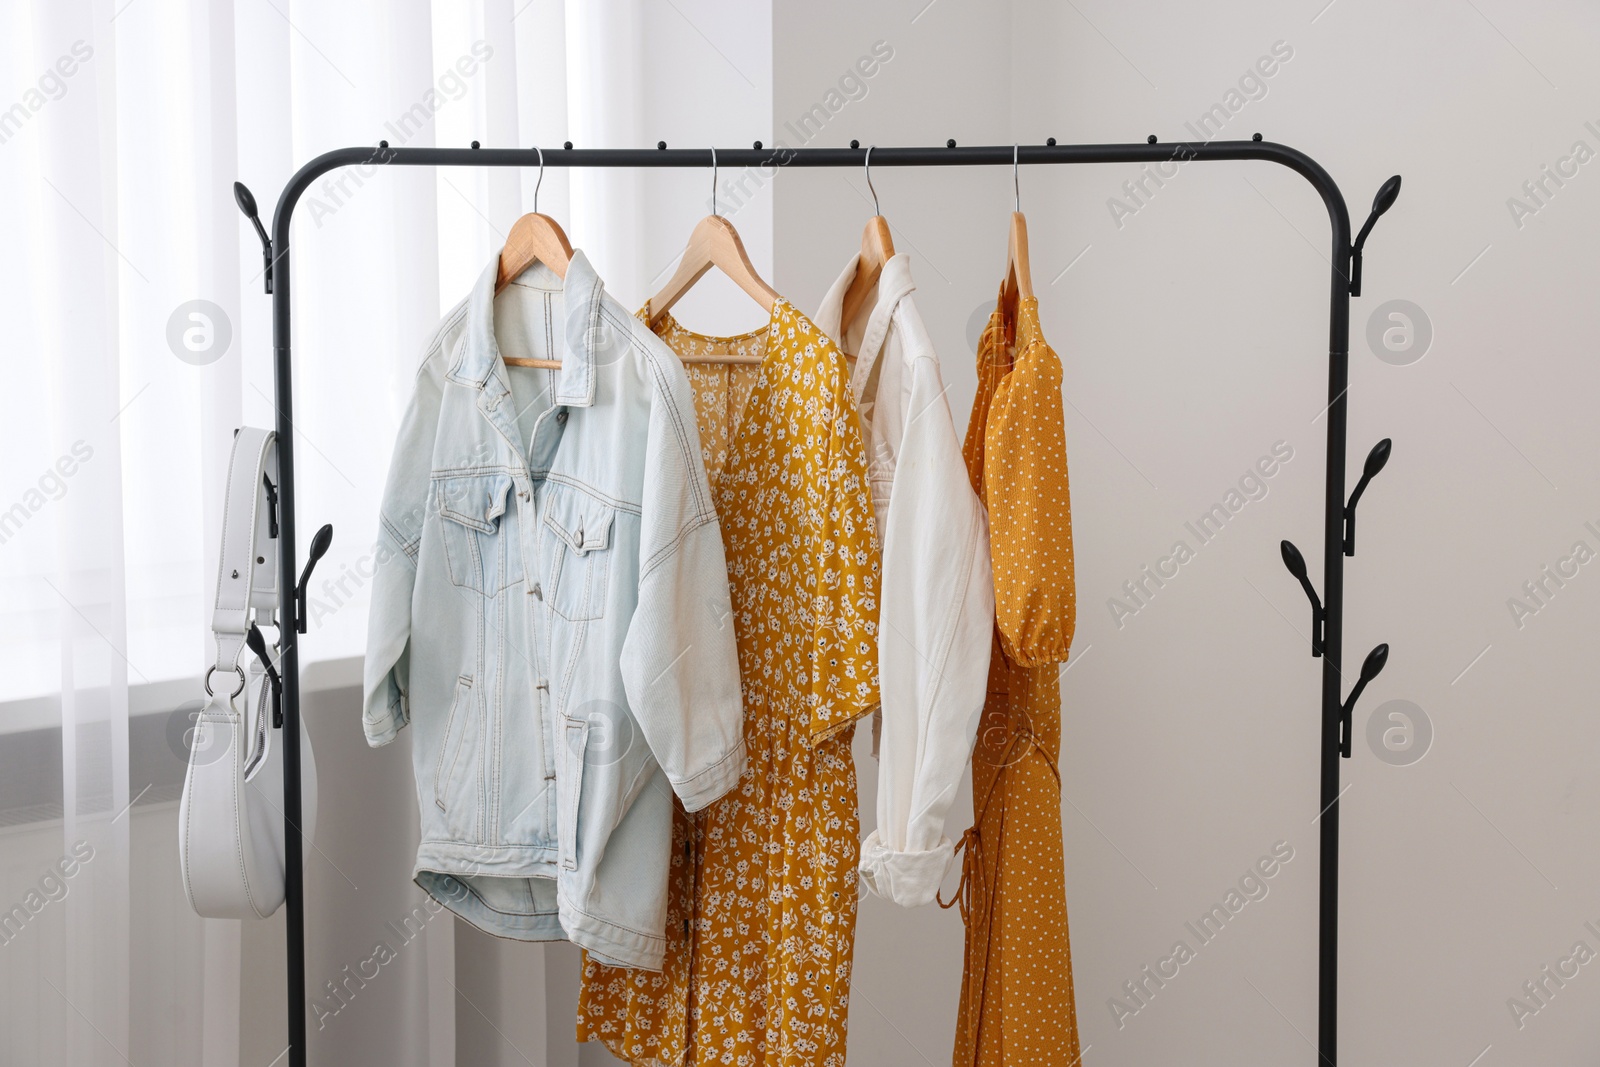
[{"x": 1338, "y": 527}]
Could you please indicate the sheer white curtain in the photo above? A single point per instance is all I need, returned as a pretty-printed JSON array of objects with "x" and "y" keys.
[{"x": 140, "y": 338}]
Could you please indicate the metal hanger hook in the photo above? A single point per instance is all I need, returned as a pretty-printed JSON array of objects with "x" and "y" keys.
[
  {"x": 874, "y": 191},
  {"x": 540, "y": 182},
  {"x": 713, "y": 179},
  {"x": 1016, "y": 181}
]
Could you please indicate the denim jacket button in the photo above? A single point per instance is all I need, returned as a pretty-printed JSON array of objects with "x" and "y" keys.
[
  {"x": 561, "y": 416},
  {"x": 536, "y": 591}
]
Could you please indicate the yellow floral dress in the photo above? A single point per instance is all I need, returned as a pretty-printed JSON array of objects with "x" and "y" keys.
[
  {"x": 762, "y": 899},
  {"x": 1016, "y": 988}
]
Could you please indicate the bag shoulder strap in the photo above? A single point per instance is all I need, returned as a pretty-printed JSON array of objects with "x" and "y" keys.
[{"x": 247, "y": 569}]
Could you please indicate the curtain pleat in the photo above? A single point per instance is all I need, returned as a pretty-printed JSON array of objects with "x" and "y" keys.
[{"x": 141, "y": 338}]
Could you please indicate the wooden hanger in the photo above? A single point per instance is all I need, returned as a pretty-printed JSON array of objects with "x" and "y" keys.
[
  {"x": 877, "y": 248},
  {"x": 713, "y": 243},
  {"x": 535, "y": 238},
  {"x": 1019, "y": 276}
]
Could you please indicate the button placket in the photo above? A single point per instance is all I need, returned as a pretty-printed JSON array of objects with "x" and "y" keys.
[
  {"x": 543, "y": 687},
  {"x": 532, "y": 586},
  {"x": 528, "y": 516}
]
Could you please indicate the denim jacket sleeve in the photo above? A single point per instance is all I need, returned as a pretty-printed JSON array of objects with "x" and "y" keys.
[
  {"x": 680, "y": 663},
  {"x": 386, "y": 680}
]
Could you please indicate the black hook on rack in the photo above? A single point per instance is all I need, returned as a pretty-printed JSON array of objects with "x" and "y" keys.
[
  {"x": 1319, "y": 615},
  {"x": 247, "y": 204},
  {"x": 1375, "y": 462},
  {"x": 1387, "y": 192},
  {"x": 1371, "y": 667},
  {"x": 319, "y": 548},
  {"x": 272, "y": 505},
  {"x": 258, "y": 645}
]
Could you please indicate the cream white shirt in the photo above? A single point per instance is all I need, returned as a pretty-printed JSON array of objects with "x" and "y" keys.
[{"x": 937, "y": 610}]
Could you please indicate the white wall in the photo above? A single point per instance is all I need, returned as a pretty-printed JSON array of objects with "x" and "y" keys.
[{"x": 1194, "y": 339}]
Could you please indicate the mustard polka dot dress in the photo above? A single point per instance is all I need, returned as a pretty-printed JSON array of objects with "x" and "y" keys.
[
  {"x": 1016, "y": 987},
  {"x": 762, "y": 891}
]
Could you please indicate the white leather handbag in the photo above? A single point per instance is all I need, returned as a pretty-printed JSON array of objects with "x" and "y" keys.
[{"x": 230, "y": 823}]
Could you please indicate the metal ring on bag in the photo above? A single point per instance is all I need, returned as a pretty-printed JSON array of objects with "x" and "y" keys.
[{"x": 237, "y": 670}]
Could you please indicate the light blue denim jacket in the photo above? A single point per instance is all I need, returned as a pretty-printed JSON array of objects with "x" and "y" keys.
[{"x": 550, "y": 614}]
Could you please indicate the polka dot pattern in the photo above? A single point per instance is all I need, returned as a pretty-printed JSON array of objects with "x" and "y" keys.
[
  {"x": 1017, "y": 1005},
  {"x": 762, "y": 891}
]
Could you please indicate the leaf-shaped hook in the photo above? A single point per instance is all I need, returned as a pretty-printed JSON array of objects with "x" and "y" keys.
[
  {"x": 1296, "y": 563},
  {"x": 1371, "y": 667},
  {"x": 319, "y": 548},
  {"x": 1388, "y": 192},
  {"x": 1376, "y": 459},
  {"x": 247, "y": 204}
]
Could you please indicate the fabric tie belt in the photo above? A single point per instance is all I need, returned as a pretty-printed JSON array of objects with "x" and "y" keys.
[{"x": 970, "y": 847}]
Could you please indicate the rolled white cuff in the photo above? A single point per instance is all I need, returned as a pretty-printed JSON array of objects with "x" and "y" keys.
[{"x": 910, "y": 879}]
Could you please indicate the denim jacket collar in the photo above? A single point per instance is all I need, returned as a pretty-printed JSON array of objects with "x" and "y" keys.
[{"x": 479, "y": 361}]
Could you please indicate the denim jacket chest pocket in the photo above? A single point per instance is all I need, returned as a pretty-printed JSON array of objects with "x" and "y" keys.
[
  {"x": 481, "y": 547},
  {"x": 576, "y": 538}
]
